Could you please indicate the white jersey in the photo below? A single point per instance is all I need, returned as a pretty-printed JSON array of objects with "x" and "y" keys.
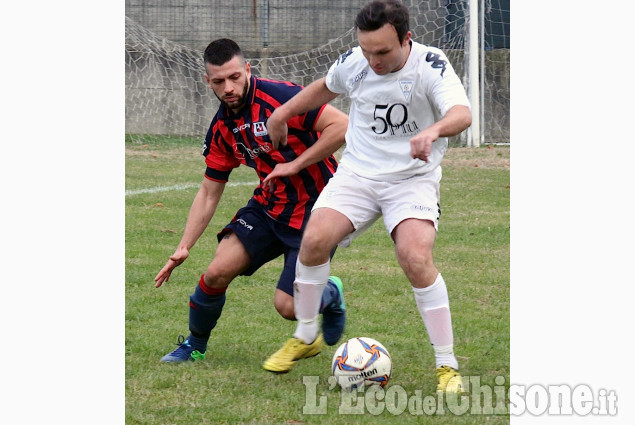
[{"x": 388, "y": 110}]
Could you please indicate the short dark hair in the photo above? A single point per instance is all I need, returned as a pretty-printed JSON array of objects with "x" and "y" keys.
[
  {"x": 221, "y": 51},
  {"x": 378, "y": 13}
]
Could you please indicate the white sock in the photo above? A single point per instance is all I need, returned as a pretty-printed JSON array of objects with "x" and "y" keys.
[
  {"x": 434, "y": 306},
  {"x": 307, "y": 296}
]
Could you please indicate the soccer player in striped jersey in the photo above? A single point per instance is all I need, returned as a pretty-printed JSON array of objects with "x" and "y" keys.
[
  {"x": 272, "y": 222},
  {"x": 406, "y": 100}
]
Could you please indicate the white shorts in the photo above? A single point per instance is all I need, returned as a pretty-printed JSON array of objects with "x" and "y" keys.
[{"x": 363, "y": 200}]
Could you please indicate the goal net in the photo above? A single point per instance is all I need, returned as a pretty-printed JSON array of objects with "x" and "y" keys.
[{"x": 166, "y": 93}]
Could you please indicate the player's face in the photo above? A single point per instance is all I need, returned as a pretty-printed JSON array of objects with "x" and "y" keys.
[
  {"x": 230, "y": 82},
  {"x": 382, "y": 49}
]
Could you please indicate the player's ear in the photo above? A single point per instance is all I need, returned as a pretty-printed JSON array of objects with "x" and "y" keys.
[
  {"x": 207, "y": 80},
  {"x": 248, "y": 69},
  {"x": 407, "y": 38}
]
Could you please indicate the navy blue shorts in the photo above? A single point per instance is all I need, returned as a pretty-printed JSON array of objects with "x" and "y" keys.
[{"x": 265, "y": 239}]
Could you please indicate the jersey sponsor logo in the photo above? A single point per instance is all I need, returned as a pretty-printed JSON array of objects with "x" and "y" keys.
[
  {"x": 240, "y": 148},
  {"x": 406, "y": 89},
  {"x": 437, "y": 62},
  {"x": 241, "y": 128},
  {"x": 359, "y": 77},
  {"x": 392, "y": 120},
  {"x": 260, "y": 129}
]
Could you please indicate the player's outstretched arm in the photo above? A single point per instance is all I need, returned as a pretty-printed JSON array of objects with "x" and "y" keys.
[
  {"x": 332, "y": 125},
  {"x": 201, "y": 212},
  {"x": 311, "y": 97}
]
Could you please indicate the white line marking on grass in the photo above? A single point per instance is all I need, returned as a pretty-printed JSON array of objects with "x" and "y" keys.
[{"x": 181, "y": 187}]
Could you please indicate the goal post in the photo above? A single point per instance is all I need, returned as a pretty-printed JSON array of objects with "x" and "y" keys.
[{"x": 474, "y": 138}]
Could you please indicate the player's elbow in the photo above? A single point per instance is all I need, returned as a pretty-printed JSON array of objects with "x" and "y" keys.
[
  {"x": 463, "y": 118},
  {"x": 333, "y": 123},
  {"x": 467, "y": 120},
  {"x": 466, "y": 115}
]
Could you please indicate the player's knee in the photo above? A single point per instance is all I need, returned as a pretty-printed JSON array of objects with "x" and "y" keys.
[
  {"x": 284, "y": 305},
  {"x": 216, "y": 278},
  {"x": 415, "y": 258},
  {"x": 312, "y": 240},
  {"x": 316, "y": 248}
]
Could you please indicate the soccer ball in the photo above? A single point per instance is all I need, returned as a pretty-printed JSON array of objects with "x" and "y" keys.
[{"x": 361, "y": 361}]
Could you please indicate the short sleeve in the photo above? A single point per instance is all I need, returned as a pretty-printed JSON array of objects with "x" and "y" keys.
[
  {"x": 334, "y": 80},
  {"x": 444, "y": 86}
]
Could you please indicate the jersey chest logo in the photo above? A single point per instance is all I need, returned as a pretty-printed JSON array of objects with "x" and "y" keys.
[
  {"x": 260, "y": 129},
  {"x": 406, "y": 89}
]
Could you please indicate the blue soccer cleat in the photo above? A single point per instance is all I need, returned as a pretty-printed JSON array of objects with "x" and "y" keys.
[
  {"x": 334, "y": 315},
  {"x": 185, "y": 352}
]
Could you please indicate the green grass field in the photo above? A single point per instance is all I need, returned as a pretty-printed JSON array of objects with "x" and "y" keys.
[{"x": 230, "y": 386}]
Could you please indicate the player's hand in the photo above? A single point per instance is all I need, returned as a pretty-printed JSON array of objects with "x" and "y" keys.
[
  {"x": 175, "y": 260},
  {"x": 285, "y": 169},
  {"x": 421, "y": 144},
  {"x": 277, "y": 130}
]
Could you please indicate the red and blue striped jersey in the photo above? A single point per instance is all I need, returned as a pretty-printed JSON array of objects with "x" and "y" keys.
[{"x": 234, "y": 139}]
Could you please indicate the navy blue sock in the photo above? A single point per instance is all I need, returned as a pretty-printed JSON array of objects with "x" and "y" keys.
[
  {"x": 199, "y": 344},
  {"x": 329, "y": 295},
  {"x": 205, "y": 309}
]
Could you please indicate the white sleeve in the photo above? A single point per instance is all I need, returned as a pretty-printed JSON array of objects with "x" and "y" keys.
[
  {"x": 334, "y": 80},
  {"x": 444, "y": 87}
]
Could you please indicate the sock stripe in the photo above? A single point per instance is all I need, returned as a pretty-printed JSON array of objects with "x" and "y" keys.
[{"x": 208, "y": 290}]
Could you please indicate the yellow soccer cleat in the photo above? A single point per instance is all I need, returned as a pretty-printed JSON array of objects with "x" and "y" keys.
[
  {"x": 295, "y": 349},
  {"x": 450, "y": 380}
]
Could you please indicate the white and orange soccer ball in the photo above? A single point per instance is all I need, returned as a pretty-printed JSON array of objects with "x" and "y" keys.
[{"x": 361, "y": 361}]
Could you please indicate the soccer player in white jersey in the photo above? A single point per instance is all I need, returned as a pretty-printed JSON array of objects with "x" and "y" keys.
[{"x": 406, "y": 101}]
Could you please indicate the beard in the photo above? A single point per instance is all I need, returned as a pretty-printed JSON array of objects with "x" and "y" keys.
[{"x": 240, "y": 100}]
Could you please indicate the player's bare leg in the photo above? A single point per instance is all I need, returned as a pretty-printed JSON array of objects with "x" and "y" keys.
[{"x": 283, "y": 303}]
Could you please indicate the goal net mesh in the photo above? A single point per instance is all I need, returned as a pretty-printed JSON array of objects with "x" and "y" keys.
[{"x": 166, "y": 93}]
